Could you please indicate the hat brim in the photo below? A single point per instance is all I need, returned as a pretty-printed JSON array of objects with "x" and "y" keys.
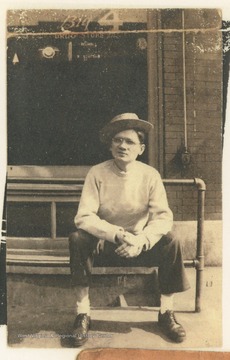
[{"x": 109, "y": 130}]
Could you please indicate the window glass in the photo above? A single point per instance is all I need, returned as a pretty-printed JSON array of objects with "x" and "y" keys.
[
  {"x": 62, "y": 91},
  {"x": 65, "y": 218},
  {"x": 28, "y": 219}
]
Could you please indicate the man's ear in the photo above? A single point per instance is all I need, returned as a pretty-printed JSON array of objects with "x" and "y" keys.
[{"x": 142, "y": 149}]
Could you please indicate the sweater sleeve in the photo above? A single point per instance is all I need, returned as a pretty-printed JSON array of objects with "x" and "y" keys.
[
  {"x": 160, "y": 219},
  {"x": 87, "y": 218}
]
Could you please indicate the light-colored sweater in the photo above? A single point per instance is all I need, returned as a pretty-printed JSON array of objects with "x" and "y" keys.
[{"x": 134, "y": 201}]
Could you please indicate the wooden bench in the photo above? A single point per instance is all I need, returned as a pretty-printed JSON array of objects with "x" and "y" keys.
[{"x": 50, "y": 256}]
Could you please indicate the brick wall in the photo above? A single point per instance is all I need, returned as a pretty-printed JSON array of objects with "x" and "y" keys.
[{"x": 203, "y": 69}]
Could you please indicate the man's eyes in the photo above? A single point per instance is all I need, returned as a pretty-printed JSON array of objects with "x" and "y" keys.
[
  {"x": 121, "y": 140},
  {"x": 130, "y": 142}
]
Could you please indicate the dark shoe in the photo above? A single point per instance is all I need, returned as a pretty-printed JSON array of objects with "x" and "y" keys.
[
  {"x": 170, "y": 326},
  {"x": 81, "y": 327}
]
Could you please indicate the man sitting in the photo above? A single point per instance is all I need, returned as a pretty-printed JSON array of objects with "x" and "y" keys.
[{"x": 124, "y": 219}]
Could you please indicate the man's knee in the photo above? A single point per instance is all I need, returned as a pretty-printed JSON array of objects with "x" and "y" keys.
[
  {"x": 170, "y": 239},
  {"x": 80, "y": 238},
  {"x": 167, "y": 238},
  {"x": 74, "y": 236}
]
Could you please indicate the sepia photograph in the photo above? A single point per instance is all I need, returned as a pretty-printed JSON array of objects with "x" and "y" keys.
[{"x": 113, "y": 203}]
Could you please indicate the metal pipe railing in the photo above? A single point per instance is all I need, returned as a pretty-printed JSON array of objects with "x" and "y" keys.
[{"x": 198, "y": 263}]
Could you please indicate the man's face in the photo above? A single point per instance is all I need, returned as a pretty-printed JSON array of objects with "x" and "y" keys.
[{"x": 126, "y": 146}]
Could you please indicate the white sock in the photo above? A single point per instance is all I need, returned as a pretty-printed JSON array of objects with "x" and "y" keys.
[
  {"x": 82, "y": 303},
  {"x": 166, "y": 302}
]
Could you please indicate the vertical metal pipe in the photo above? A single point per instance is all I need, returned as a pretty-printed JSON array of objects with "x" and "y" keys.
[
  {"x": 152, "y": 86},
  {"x": 70, "y": 51},
  {"x": 160, "y": 80},
  {"x": 200, "y": 248},
  {"x": 184, "y": 85},
  {"x": 53, "y": 220}
]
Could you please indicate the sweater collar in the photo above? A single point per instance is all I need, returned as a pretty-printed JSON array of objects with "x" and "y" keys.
[{"x": 120, "y": 172}]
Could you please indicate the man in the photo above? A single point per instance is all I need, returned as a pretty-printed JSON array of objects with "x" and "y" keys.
[{"x": 124, "y": 220}]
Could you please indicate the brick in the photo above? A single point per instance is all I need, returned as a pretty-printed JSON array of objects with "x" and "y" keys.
[
  {"x": 208, "y": 70},
  {"x": 189, "y": 194},
  {"x": 169, "y": 61},
  {"x": 188, "y": 216},
  {"x": 209, "y": 85},
  {"x": 211, "y": 175},
  {"x": 171, "y": 47},
  {"x": 171, "y": 121},
  {"x": 218, "y": 209},
  {"x": 173, "y": 98},
  {"x": 174, "y": 202},
  {"x": 199, "y": 157},
  {"x": 179, "y": 194},
  {"x": 173, "y": 75},
  {"x": 172, "y": 54},
  {"x": 175, "y": 105},
  {"x": 171, "y": 193},
  {"x": 176, "y": 212},
  {"x": 213, "y": 216},
  {"x": 213, "y": 157},
  {"x": 190, "y": 201},
  {"x": 204, "y": 123},
  {"x": 177, "y": 217},
  {"x": 215, "y": 63},
  {"x": 171, "y": 149},
  {"x": 172, "y": 38},
  {"x": 211, "y": 202},
  {"x": 174, "y": 113},
  {"x": 203, "y": 91},
  {"x": 215, "y": 77},
  {"x": 205, "y": 106},
  {"x": 208, "y": 63},
  {"x": 207, "y": 99},
  {"x": 186, "y": 209},
  {"x": 210, "y": 194},
  {"x": 175, "y": 83},
  {"x": 209, "y": 135},
  {"x": 209, "y": 114},
  {"x": 202, "y": 18},
  {"x": 174, "y": 188},
  {"x": 173, "y": 142},
  {"x": 173, "y": 69},
  {"x": 171, "y": 135},
  {"x": 176, "y": 91},
  {"x": 215, "y": 186},
  {"x": 209, "y": 208},
  {"x": 209, "y": 56}
]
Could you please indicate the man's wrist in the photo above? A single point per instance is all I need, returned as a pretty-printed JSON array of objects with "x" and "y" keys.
[
  {"x": 143, "y": 241},
  {"x": 119, "y": 236}
]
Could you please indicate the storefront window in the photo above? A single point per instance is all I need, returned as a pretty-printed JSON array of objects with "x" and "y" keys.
[{"x": 61, "y": 91}]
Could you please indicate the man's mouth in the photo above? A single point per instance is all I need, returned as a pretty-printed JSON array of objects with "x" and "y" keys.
[{"x": 122, "y": 153}]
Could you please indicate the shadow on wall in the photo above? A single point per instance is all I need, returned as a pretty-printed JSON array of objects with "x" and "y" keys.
[{"x": 186, "y": 231}]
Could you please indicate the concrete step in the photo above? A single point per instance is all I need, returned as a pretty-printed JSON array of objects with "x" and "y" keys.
[
  {"x": 36, "y": 321},
  {"x": 46, "y": 290}
]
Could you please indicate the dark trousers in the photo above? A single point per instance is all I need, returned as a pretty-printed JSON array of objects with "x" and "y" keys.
[{"x": 166, "y": 254}]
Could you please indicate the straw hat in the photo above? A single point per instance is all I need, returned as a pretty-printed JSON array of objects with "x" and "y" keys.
[{"x": 122, "y": 122}]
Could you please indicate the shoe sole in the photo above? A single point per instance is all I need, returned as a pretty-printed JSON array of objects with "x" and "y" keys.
[
  {"x": 179, "y": 339},
  {"x": 80, "y": 343}
]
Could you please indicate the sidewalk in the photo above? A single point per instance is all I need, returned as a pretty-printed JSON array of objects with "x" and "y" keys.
[{"x": 49, "y": 326}]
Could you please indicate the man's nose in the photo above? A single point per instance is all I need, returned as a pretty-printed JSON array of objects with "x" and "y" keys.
[{"x": 123, "y": 145}]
